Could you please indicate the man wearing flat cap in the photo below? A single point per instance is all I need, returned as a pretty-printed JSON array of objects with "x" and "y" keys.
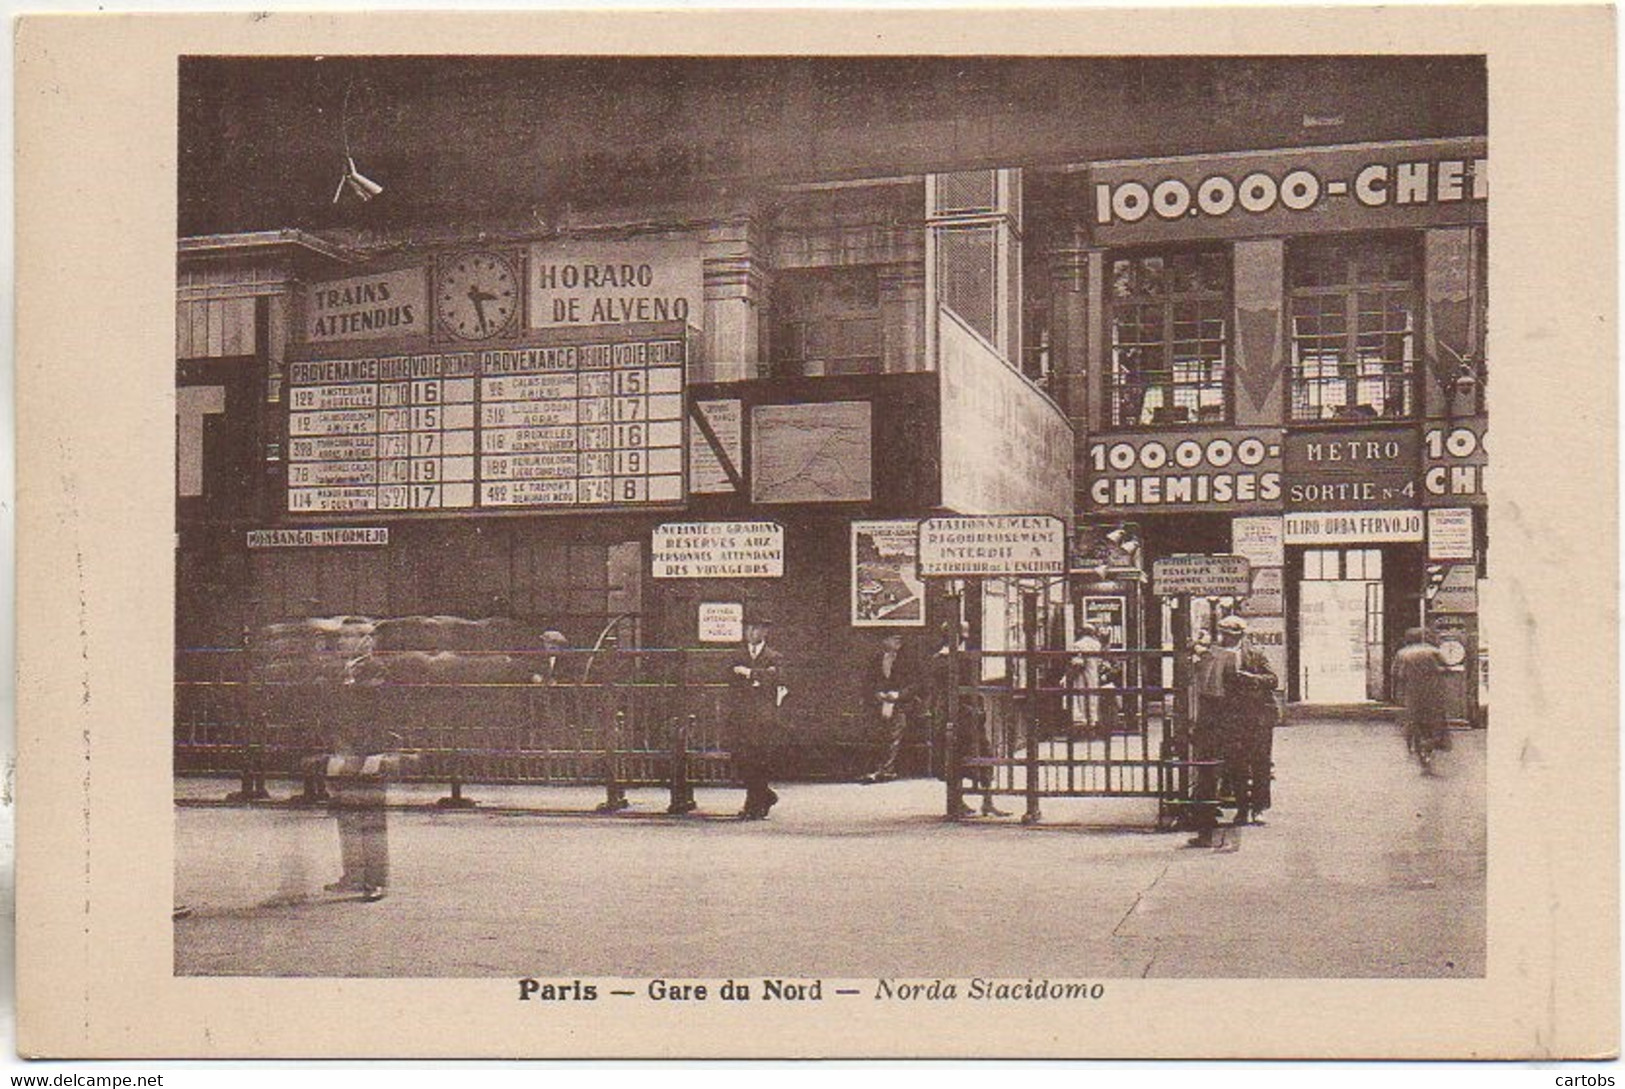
[
  {"x": 756, "y": 680},
  {"x": 1235, "y": 727}
]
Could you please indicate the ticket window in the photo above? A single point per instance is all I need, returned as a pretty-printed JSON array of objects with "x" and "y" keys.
[{"x": 1341, "y": 625}]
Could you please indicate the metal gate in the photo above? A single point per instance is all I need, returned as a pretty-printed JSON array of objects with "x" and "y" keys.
[{"x": 1069, "y": 724}]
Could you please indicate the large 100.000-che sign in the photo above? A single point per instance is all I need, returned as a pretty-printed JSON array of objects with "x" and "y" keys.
[{"x": 558, "y": 426}]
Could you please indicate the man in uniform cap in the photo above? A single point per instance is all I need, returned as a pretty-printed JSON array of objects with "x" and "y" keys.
[{"x": 756, "y": 679}]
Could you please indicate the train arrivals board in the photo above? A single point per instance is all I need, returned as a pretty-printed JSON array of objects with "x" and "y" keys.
[{"x": 558, "y": 426}]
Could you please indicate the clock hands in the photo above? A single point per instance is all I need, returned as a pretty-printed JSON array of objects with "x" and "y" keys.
[
  {"x": 467, "y": 284},
  {"x": 479, "y": 299}
]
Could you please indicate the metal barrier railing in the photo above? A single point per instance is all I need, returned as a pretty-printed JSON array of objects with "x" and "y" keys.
[
  {"x": 617, "y": 720},
  {"x": 1053, "y": 723},
  {"x": 1070, "y": 724}
]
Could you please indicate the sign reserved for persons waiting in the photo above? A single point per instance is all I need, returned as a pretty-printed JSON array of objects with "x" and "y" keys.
[
  {"x": 1201, "y": 576},
  {"x": 992, "y": 545},
  {"x": 717, "y": 550}
]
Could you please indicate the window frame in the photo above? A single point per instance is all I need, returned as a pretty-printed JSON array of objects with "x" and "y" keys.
[
  {"x": 1169, "y": 302},
  {"x": 1479, "y": 294},
  {"x": 788, "y": 330},
  {"x": 1351, "y": 289}
]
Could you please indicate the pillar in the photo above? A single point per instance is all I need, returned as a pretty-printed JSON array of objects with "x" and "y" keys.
[
  {"x": 734, "y": 294},
  {"x": 902, "y": 318},
  {"x": 1259, "y": 283}
]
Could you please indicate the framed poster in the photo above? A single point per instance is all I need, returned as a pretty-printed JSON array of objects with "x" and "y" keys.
[
  {"x": 887, "y": 591},
  {"x": 1107, "y": 611}
]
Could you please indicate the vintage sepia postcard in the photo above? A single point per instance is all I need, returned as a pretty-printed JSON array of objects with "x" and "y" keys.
[{"x": 850, "y": 534}]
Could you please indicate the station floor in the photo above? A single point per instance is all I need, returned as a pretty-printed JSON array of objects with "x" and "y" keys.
[{"x": 1365, "y": 869}]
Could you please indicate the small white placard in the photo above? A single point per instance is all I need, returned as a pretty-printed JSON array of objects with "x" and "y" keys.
[
  {"x": 1450, "y": 533},
  {"x": 1258, "y": 540},
  {"x": 721, "y": 622}
]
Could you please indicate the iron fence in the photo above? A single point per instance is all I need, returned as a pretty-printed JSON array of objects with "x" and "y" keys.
[
  {"x": 1049, "y": 724},
  {"x": 616, "y": 720}
]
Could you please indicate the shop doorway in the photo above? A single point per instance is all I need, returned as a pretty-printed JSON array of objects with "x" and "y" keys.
[{"x": 1341, "y": 625}]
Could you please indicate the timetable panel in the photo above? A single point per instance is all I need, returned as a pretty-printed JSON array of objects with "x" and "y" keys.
[{"x": 583, "y": 425}]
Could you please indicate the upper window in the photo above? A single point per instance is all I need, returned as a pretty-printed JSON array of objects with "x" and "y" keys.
[
  {"x": 828, "y": 322},
  {"x": 1354, "y": 328},
  {"x": 1169, "y": 325}
]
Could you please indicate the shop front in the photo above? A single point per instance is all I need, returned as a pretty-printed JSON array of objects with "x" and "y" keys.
[
  {"x": 1280, "y": 355},
  {"x": 1351, "y": 551},
  {"x": 1354, "y": 536}
]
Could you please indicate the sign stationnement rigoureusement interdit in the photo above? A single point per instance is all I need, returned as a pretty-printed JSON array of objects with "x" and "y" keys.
[{"x": 992, "y": 545}]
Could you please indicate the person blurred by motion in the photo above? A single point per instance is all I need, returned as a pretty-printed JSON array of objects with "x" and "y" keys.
[
  {"x": 1417, "y": 683},
  {"x": 971, "y": 738},
  {"x": 1087, "y": 673},
  {"x": 363, "y": 757},
  {"x": 359, "y": 783},
  {"x": 756, "y": 681}
]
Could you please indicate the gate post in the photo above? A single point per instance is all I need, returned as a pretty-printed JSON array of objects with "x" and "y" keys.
[
  {"x": 614, "y": 793},
  {"x": 254, "y": 727},
  {"x": 1029, "y": 719},
  {"x": 1030, "y": 708},
  {"x": 1176, "y": 725},
  {"x": 459, "y": 756},
  {"x": 682, "y": 793},
  {"x": 955, "y": 772},
  {"x": 455, "y": 799}
]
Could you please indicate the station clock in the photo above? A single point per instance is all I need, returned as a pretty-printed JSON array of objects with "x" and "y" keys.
[{"x": 476, "y": 295}]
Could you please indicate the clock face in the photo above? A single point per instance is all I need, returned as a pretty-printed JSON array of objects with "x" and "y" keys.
[{"x": 477, "y": 296}]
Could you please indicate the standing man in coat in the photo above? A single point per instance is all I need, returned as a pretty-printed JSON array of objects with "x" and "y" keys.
[
  {"x": 1250, "y": 700},
  {"x": 893, "y": 684},
  {"x": 1233, "y": 735},
  {"x": 756, "y": 679}
]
